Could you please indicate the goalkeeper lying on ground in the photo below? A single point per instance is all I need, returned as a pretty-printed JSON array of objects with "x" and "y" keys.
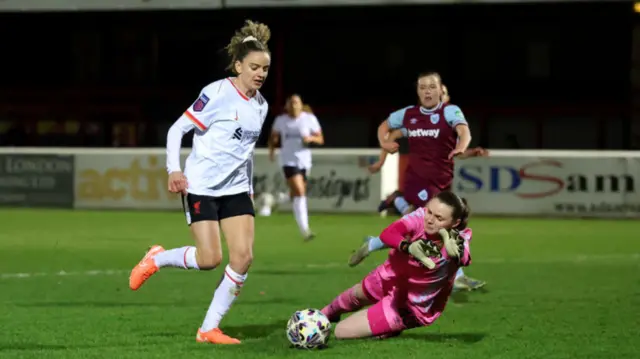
[
  {"x": 396, "y": 204},
  {"x": 411, "y": 288}
]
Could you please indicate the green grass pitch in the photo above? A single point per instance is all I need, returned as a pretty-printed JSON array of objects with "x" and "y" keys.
[{"x": 557, "y": 289}]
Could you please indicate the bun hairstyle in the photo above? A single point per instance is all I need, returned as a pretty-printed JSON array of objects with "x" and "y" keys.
[
  {"x": 445, "y": 94},
  {"x": 253, "y": 36},
  {"x": 460, "y": 208}
]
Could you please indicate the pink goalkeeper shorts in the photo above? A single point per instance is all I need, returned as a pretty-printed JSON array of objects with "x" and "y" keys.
[{"x": 384, "y": 316}]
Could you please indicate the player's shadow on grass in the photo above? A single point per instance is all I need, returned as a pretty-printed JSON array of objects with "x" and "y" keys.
[
  {"x": 463, "y": 338},
  {"x": 255, "y": 331},
  {"x": 467, "y": 338},
  {"x": 462, "y": 297}
]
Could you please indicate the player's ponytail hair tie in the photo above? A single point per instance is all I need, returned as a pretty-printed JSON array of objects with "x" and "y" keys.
[
  {"x": 249, "y": 38},
  {"x": 253, "y": 36}
]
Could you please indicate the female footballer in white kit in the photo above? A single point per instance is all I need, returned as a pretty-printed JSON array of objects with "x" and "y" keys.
[
  {"x": 296, "y": 129},
  {"x": 216, "y": 184}
]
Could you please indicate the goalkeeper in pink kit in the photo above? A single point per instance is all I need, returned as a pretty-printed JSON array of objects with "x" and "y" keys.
[{"x": 412, "y": 287}]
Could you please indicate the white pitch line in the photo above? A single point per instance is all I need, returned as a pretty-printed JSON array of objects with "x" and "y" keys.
[
  {"x": 575, "y": 259},
  {"x": 65, "y": 273}
]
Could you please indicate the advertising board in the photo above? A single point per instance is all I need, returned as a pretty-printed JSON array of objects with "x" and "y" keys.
[
  {"x": 36, "y": 180},
  {"x": 562, "y": 186}
]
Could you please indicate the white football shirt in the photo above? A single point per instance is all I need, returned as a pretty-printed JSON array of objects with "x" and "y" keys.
[
  {"x": 227, "y": 125},
  {"x": 293, "y": 151}
]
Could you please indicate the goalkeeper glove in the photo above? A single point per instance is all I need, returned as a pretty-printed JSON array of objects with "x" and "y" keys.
[
  {"x": 453, "y": 243},
  {"x": 421, "y": 250}
]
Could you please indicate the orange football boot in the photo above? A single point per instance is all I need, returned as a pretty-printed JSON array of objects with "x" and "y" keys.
[
  {"x": 145, "y": 269},
  {"x": 215, "y": 336}
]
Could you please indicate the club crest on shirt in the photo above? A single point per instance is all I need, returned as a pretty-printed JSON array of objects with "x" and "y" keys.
[
  {"x": 435, "y": 118},
  {"x": 200, "y": 103}
]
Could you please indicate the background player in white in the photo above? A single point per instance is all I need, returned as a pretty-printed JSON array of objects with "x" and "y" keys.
[
  {"x": 227, "y": 118},
  {"x": 296, "y": 130}
]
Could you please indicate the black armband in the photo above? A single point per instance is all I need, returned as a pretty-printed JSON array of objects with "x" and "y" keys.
[{"x": 404, "y": 246}]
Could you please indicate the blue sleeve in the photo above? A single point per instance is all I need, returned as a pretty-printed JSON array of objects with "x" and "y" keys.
[
  {"x": 404, "y": 131},
  {"x": 454, "y": 116},
  {"x": 397, "y": 118}
]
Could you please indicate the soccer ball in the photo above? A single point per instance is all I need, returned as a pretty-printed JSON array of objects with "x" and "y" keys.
[{"x": 308, "y": 329}]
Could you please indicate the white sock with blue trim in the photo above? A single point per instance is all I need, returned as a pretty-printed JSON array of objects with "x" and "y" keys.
[
  {"x": 375, "y": 244},
  {"x": 401, "y": 204}
]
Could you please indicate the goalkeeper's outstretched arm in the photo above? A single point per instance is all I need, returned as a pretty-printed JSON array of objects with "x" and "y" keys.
[{"x": 393, "y": 235}]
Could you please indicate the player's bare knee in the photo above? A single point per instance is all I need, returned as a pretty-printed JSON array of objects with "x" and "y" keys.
[
  {"x": 208, "y": 259},
  {"x": 294, "y": 192},
  {"x": 240, "y": 260},
  {"x": 344, "y": 331},
  {"x": 210, "y": 263},
  {"x": 340, "y": 331}
]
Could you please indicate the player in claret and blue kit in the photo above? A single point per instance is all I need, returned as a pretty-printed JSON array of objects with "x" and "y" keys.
[
  {"x": 437, "y": 132},
  {"x": 395, "y": 135}
]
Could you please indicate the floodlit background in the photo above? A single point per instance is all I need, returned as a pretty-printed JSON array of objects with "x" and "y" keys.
[{"x": 88, "y": 92}]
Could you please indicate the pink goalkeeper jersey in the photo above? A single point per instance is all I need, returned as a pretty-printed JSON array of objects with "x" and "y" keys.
[{"x": 427, "y": 290}]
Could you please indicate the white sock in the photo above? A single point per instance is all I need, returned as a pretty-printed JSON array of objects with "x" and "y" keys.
[
  {"x": 265, "y": 211},
  {"x": 401, "y": 205},
  {"x": 184, "y": 257},
  {"x": 375, "y": 244},
  {"x": 223, "y": 297},
  {"x": 300, "y": 212},
  {"x": 459, "y": 273}
]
